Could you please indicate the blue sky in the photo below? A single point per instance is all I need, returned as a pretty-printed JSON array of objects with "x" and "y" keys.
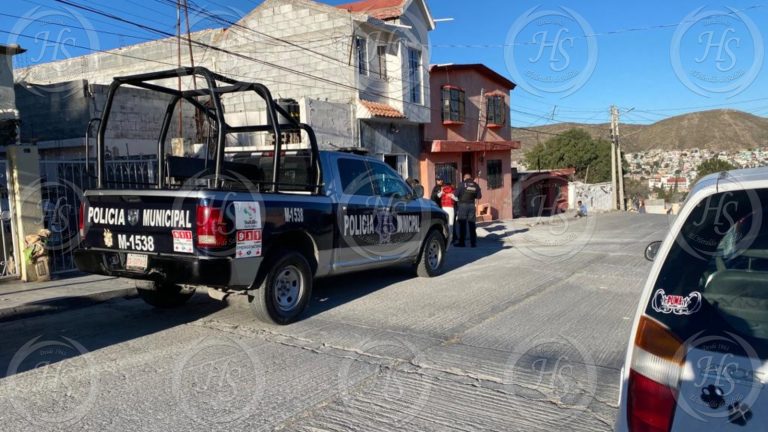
[{"x": 572, "y": 60}]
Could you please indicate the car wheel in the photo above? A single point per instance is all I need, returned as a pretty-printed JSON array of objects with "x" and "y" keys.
[
  {"x": 163, "y": 295},
  {"x": 430, "y": 263},
  {"x": 284, "y": 293}
]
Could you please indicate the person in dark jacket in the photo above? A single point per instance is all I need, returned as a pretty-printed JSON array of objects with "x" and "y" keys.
[
  {"x": 468, "y": 193},
  {"x": 436, "y": 190}
]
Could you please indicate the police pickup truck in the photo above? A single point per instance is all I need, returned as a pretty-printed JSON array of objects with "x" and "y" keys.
[{"x": 264, "y": 223}]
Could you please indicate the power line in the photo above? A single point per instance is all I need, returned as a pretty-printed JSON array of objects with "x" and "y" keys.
[{"x": 594, "y": 35}]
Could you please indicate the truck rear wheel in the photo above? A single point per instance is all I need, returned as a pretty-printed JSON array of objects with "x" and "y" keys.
[
  {"x": 163, "y": 295},
  {"x": 285, "y": 291},
  {"x": 432, "y": 255}
]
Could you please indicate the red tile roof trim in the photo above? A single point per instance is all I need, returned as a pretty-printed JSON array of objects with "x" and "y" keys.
[{"x": 382, "y": 110}]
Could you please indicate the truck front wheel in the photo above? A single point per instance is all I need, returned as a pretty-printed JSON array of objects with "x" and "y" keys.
[
  {"x": 163, "y": 295},
  {"x": 285, "y": 291},
  {"x": 430, "y": 263}
]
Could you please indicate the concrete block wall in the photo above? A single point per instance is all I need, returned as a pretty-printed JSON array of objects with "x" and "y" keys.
[{"x": 331, "y": 72}]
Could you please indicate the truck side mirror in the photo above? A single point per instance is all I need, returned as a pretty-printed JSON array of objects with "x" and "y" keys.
[{"x": 652, "y": 250}]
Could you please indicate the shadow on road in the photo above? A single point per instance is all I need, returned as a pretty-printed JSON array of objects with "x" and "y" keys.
[
  {"x": 29, "y": 342},
  {"x": 335, "y": 291},
  {"x": 40, "y": 341}
]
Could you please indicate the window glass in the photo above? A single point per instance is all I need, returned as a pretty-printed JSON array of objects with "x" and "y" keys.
[
  {"x": 495, "y": 176},
  {"x": 414, "y": 74},
  {"x": 454, "y": 104},
  {"x": 387, "y": 183},
  {"x": 496, "y": 110},
  {"x": 361, "y": 44},
  {"x": 381, "y": 54},
  {"x": 715, "y": 277},
  {"x": 355, "y": 177}
]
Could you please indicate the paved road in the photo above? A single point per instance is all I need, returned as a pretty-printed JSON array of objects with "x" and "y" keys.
[{"x": 524, "y": 333}]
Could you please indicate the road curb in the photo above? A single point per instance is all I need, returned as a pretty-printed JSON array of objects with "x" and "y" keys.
[{"x": 61, "y": 304}]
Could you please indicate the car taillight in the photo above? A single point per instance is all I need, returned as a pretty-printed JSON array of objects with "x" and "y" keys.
[
  {"x": 211, "y": 228},
  {"x": 81, "y": 220},
  {"x": 653, "y": 378}
]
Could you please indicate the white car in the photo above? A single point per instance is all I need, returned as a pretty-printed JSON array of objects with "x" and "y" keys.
[{"x": 698, "y": 353}]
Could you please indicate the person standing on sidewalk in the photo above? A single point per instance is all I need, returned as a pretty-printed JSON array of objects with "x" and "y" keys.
[
  {"x": 447, "y": 202},
  {"x": 435, "y": 190},
  {"x": 468, "y": 193}
]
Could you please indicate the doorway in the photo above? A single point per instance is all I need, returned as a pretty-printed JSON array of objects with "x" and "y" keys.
[{"x": 467, "y": 164}]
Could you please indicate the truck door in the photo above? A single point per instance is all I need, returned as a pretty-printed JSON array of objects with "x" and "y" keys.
[
  {"x": 356, "y": 215},
  {"x": 400, "y": 216}
]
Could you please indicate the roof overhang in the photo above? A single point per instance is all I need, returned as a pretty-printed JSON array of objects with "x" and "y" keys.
[{"x": 442, "y": 146}]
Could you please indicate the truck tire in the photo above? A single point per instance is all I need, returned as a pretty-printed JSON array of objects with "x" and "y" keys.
[
  {"x": 432, "y": 256},
  {"x": 285, "y": 291},
  {"x": 163, "y": 295}
]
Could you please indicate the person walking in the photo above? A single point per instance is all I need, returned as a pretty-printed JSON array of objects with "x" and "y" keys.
[
  {"x": 447, "y": 202},
  {"x": 435, "y": 190},
  {"x": 468, "y": 193}
]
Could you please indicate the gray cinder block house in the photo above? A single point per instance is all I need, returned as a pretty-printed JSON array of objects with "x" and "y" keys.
[{"x": 358, "y": 71}]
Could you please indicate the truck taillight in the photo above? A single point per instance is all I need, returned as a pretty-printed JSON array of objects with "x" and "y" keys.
[
  {"x": 653, "y": 378},
  {"x": 211, "y": 228},
  {"x": 81, "y": 220}
]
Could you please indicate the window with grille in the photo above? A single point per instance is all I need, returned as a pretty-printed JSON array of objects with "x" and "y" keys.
[
  {"x": 447, "y": 172},
  {"x": 454, "y": 104},
  {"x": 361, "y": 45},
  {"x": 414, "y": 75},
  {"x": 381, "y": 61},
  {"x": 497, "y": 115},
  {"x": 495, "y": 175}
]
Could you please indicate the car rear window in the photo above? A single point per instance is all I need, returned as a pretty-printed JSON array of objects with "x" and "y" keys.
[{"x": 715, "y": 277}]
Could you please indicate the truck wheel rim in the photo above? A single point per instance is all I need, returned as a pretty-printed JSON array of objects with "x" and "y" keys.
[
  {"x": 289, "y": 285},
  {"x": 434, "y": 254}
]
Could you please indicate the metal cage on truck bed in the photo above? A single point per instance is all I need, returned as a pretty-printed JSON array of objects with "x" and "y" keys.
[{"x": 214, "y": 165}]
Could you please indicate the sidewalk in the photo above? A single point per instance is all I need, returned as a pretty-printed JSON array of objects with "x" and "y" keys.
[{"x": 22, "y": 300}]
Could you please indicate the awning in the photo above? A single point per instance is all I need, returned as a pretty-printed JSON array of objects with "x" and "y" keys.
[
  {"x": 381, "y": 110},
  {"x": 440, "y": 146}
]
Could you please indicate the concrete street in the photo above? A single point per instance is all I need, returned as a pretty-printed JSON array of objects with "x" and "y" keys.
[{"x": 526, "y": 332}]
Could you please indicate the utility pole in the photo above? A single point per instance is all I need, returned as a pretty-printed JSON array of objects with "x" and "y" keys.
[
  {"x": 617, "y": 165},
  {"x": 178, "y": 59},
  {"x": 614, "y": 185}
]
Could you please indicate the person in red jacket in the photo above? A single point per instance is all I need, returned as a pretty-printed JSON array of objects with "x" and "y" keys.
[{"x": 447, "y": 202}]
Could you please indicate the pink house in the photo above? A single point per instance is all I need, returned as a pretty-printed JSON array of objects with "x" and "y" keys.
[{"x": 470, "y": 133}]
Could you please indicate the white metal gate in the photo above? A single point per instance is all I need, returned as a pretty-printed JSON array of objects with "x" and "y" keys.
[{"x": 8, "y": 257}]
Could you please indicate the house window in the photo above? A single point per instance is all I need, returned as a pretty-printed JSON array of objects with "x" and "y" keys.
[
  {"x": 447, "y": 172},
  {"x": 381, "y": 57},
  {"x": 496, "y": 111},
  {"x": 361, "y": 45},
  {"x": 398, "y": 162},
  {"x": 454, "y": 104},
  {"x": 495, "y": 175},
  {"x": 414, "y": 74}
]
